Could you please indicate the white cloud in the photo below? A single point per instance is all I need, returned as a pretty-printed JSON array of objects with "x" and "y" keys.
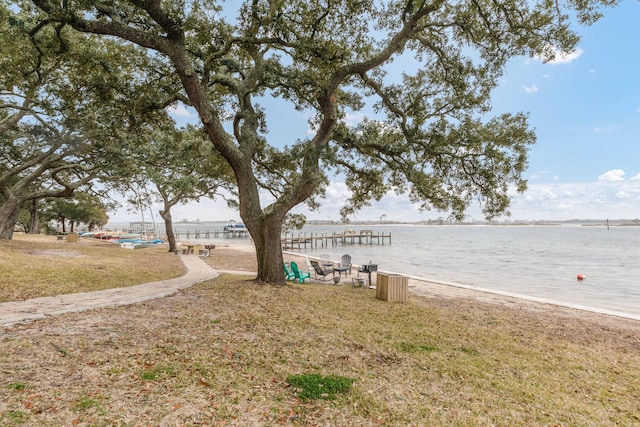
[
  {"x": 606, "y": 198},
  {"x": 636, "y": 176},
  {"x": 622, "y": 195},
  {"x": 550, "y": 201},
  {"x": 179, "y": 110},
  {"x": 204, "y": 210},
  {"x": 549, "y": 194},
  {"x": 561, "y": 201},
  {"x": 560, "y": 57},
  {"x": 353, "y": 119},
  {"x": 543, "y": 174},
  {"x": 612, "y": 175},
  {"x": 338, "y": 190},
  {"x": 530, "y": 89}
]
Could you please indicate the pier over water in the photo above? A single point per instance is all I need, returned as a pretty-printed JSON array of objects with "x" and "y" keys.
[
  {"x": 347, "y": 237},
  {"x": 299, "y": 240},
  {"x": 210, "y": 234}
]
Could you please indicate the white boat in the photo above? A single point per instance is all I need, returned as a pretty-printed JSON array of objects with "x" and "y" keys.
[{"x": 234, "y": 227}]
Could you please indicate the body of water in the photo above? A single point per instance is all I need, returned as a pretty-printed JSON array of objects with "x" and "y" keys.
[{"x": 530, "y": 261}]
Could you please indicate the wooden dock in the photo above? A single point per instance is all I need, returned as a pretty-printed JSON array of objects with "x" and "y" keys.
[
  {"x": 301, "y": 240},
  {"x": 210, "y": 234},
  {"x": 347, "y": 237}
]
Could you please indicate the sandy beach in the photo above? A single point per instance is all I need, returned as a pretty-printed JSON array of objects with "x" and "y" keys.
[{"x": 430, "y": 289}]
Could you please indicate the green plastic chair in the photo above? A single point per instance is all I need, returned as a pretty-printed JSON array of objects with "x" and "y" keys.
[
  {"x": 288, "y": 272},
  {"x": 300, "y": 275}
]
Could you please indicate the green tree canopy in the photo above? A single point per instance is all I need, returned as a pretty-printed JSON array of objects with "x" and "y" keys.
[
  {"x": 82, "y": 208},
  {"x": 432, "y": 135},
  {"x": 70, "y": 107},
  {"x": 176, "y": 166}
]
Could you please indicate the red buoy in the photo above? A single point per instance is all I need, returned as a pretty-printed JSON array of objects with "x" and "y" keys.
[{"x": 581, "y": 277}]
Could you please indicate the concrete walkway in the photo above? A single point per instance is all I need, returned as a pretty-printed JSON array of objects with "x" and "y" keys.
[{"x": 39, "y": 308}]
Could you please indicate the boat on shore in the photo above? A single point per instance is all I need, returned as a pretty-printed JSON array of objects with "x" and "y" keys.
[
  {"x": 109, "y": 235},
  {"x": 125, "y": 240},
  {"x": 139, "y": 243}
]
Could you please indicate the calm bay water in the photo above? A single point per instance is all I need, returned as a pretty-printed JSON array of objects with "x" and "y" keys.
[{"x": 530, "y": 261}]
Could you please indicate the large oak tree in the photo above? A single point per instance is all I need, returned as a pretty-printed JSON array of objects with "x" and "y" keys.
[
  {"x": 431, "y": 136},
  {"x": 40, "y": 162},
  {"x": 68, "y": 115}
]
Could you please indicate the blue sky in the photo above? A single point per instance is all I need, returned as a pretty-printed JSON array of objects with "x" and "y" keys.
[{"x": 585, "y": 109}]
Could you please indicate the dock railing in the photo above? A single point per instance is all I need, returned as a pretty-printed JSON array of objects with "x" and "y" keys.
[
  {"x": 322, "y": 240},
  {"x": 210, "y": 234},
  {"x": 298, "y": 240}
]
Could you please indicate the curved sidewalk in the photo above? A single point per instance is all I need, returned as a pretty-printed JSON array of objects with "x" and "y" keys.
[{"x": 39, "y": 308}]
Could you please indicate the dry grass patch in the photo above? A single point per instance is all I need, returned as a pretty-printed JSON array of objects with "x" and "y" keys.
[
  {"x": 220, "y": 353},
  {"x": 38, "y": 266}
]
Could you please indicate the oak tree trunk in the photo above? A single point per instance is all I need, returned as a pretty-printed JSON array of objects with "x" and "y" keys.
[
  {"x": 168, "y": 226},
  {"x": 34, "y": 226},
  {"x": 266, "y": 234},
  {"x": 9, "y": 211}
]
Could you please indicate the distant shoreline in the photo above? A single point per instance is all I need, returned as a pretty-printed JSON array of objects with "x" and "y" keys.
[{"x": 584, "y": 223}]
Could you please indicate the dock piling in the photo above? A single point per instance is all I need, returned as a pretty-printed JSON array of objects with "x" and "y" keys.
[{"x": 349, "y": 237}]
